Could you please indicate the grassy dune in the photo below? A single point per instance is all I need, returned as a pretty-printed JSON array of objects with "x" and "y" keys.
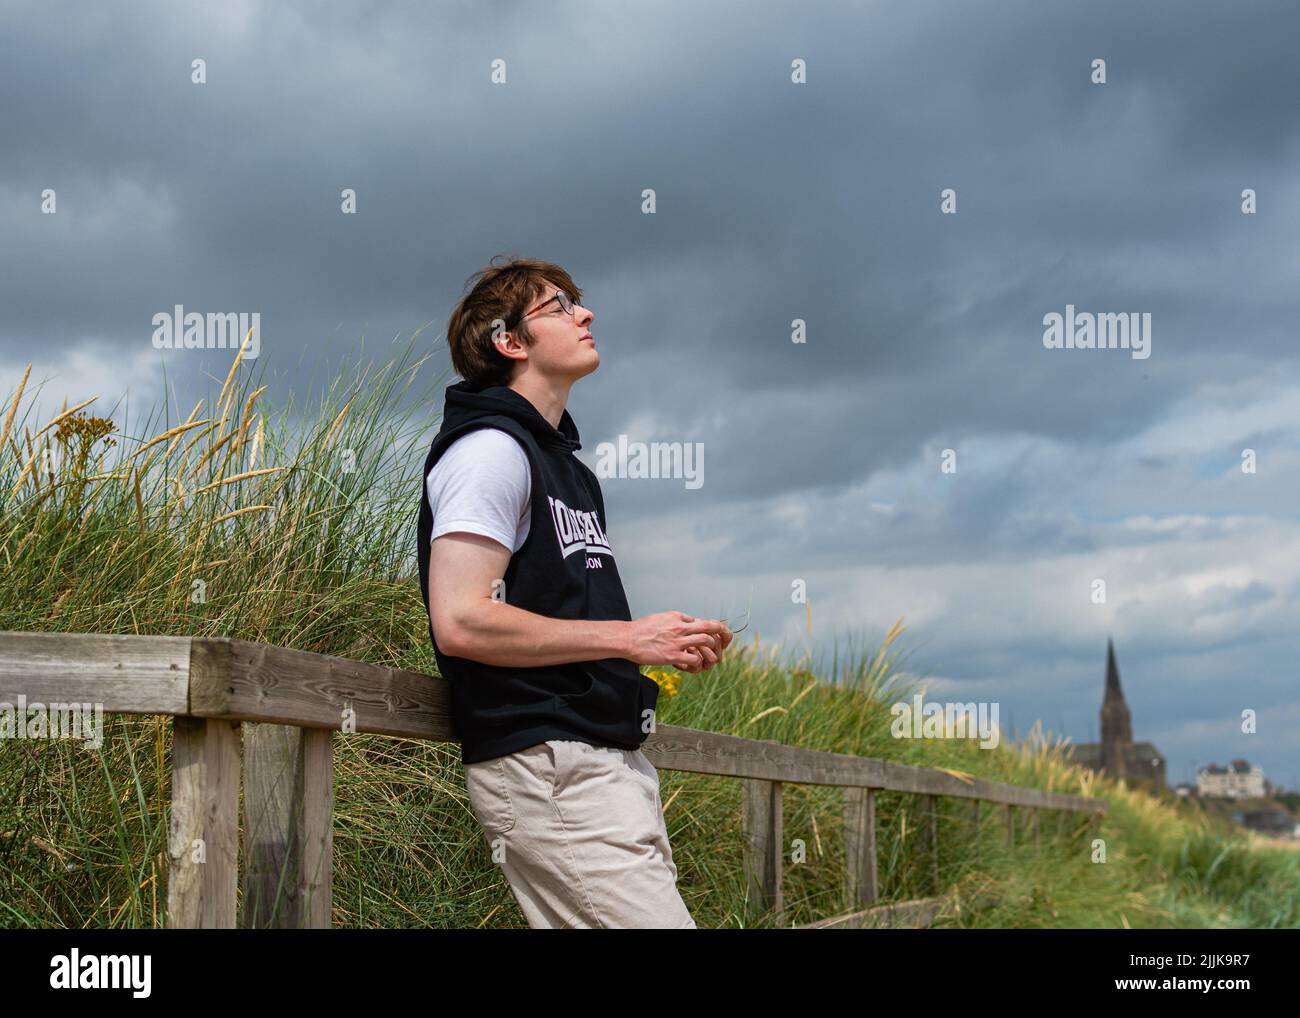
[{"x": 299, "y": 531}]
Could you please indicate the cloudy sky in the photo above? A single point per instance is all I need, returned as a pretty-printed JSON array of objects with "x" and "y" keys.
[{"x": 824, "y": 461}]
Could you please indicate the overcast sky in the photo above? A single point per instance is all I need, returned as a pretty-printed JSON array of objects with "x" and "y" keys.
[{"x": 775, "y": 201}]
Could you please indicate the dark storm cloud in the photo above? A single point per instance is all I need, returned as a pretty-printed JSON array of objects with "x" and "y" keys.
[{"x": 775, "y": 202}]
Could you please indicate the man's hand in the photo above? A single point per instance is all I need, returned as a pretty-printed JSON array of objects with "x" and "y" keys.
[
  {"x": 713, "y": 650},
  {"x": 691, "y": 644}
]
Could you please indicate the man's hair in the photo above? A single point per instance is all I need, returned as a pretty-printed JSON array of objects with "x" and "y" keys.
[{"x": 503, "y": 291}]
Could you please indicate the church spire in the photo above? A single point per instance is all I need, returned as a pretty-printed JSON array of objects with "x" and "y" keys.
[
  {"x": 1112, "y": 673},
  {"x": 1116, "y": 725}
]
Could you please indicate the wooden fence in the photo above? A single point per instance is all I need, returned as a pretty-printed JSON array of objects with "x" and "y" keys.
[{"x": 296, "y": 699}]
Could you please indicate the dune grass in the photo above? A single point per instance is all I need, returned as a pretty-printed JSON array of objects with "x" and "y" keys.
[{"x": 299, "y": 531}]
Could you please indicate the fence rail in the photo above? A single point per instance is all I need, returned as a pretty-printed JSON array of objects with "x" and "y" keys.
[{"x": 214, "y": 686}]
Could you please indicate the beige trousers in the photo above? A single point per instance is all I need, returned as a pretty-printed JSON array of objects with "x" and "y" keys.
[{"x": 579, "y": 832}]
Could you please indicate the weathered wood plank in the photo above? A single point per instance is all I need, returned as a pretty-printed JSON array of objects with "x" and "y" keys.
[
  {"x": 764, "y": 844},
  {"x": 318, "y": 828},
  {"x": 249, "y": 681},
  {"x": 203, "y": 838},
  {"x": 288, "y": 827},
  {"x": 126, "y": 674},
  {"x": 860, "y": 845},
  {"x": 687, "y": 749},
  {"x": 257, "y": 682}
]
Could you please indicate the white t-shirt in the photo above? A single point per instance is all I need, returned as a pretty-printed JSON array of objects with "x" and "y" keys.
[{"x": 482, "y": 484}]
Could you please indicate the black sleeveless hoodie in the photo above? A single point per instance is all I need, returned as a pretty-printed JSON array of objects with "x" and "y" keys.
[{"x": 564, "y": 570}]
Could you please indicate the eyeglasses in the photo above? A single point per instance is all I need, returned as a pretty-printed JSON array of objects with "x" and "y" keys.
[{"x": 566, "y": 305}]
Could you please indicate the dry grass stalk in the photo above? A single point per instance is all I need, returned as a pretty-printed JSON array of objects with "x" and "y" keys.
[{"x": 9, "y": 417}]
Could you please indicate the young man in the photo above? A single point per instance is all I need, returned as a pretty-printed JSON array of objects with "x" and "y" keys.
[{"x": 530, "y": 623}]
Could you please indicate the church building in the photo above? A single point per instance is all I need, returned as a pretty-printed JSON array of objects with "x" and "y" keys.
[{"x": 1117, "y": 755}]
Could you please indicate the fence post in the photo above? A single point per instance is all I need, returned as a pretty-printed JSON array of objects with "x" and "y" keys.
[
  {"x": 1011, "y": 824},
  {"x": 975, "y": 820},
  {"x": 1038, "y": 841},
  {"x": 203, "y": 833},
  {"x": 288, "y": 826},
  {"x": 860, "y": 845},
  {"x": 761, "y": 820}
]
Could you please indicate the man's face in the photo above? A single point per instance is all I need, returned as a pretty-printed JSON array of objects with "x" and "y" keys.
[{"x": 563, "y": 346}]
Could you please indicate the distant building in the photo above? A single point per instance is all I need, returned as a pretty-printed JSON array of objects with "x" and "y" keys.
[
  {"x": 1183, "y": 790},
  {"x": 1276, "y": 822},
  {"x": 1239, "y": 780},
  {"x": 1117, "y": 755}
]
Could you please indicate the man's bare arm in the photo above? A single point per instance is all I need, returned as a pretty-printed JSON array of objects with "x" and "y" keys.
[{"x": 470, "y": 623}]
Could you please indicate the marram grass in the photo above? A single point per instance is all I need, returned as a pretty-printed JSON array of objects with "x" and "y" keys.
[{"x": 300, "y": 531}]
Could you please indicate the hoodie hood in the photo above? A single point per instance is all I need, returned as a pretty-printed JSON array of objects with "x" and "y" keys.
[{"x": 465, "y": 404}]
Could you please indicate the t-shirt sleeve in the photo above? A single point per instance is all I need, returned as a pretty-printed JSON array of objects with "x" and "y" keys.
[{"x": 482, "y": 484}]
